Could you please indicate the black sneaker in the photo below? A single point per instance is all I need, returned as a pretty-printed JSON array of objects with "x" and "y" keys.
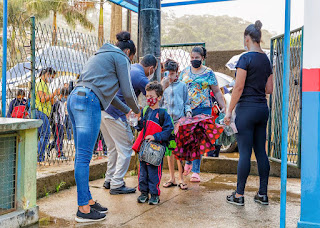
[
  {"x": 235, "y": 200},
  {"x": 122, "y": 190},
  {"x": 99, "y": 208},
  {"x": 106, "y": 185},
  {"x": 143, "y": 198},
  {"x": 93, "y": 216},
  {"x": 262, "y": 199},
  {"x": 154, "y": 200}
]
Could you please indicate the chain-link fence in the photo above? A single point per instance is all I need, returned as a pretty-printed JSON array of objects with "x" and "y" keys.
[
  {"x": 294, "y": 119},
  {"x": 179, "y": 52},
  {"x": 57, "y": 57},
  {"x": 7, "y": 173}
]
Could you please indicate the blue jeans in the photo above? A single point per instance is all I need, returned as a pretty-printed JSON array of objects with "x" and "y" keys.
[
  {"x": 85, "y": 114},
  {"x": 196, "y": 163},
  {"x": 43, "y": 134}
]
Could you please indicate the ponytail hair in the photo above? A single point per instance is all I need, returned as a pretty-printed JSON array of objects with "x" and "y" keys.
[
  {"x": 125, "y": 42},
  {"x": 201, "y": 50},
  {"x": 254, "y": 31}
]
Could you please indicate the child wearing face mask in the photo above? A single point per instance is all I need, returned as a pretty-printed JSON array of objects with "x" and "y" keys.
[
  {"x": 158, "y": 128},
  {"x": 59, "y": 115},
  {"x": 18, "y": 106},
  {"x": 176, "y": 102}
]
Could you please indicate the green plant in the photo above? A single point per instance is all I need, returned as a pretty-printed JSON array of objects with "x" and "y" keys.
[
  {"x": 133, "y": 173},
  {"x": 60, "y": 185},
  {"x": 45, "y": 191}
]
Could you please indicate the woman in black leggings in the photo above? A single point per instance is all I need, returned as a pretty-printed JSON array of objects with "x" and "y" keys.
[{"x": 253, "y": 82}]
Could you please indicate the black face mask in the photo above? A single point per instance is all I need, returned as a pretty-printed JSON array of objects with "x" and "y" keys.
[{"x": 196, "y": 63}]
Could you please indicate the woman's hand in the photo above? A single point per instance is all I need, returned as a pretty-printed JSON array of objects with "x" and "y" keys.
[
  {"x": 227, "y": 118},
  {"x": 150, "y": 138}
]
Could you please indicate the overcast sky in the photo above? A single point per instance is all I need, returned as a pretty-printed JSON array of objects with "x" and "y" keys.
[{"x": 270, "y": 12}]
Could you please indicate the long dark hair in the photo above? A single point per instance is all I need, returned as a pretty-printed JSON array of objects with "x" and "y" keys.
[
  {"x": 125, "y": 42},
  {"x": 254, "y": 31}
]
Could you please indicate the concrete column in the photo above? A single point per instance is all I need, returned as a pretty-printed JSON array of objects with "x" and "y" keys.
[
  {"x": 25, "y": 132},
  {"x": 150, "y": 31},
  {"x": 116, "y": 21},
  {"x": 310, "y": 145}
]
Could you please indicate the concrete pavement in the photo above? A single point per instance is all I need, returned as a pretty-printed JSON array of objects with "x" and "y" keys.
[{"x": 203, "y": 205}]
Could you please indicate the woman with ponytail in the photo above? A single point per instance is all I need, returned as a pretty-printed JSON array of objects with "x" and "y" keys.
[
  {"x": 103, "y": 75},
  {"x": 253, "y": 82}
]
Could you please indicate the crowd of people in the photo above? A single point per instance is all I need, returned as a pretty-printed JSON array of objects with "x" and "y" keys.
[
  {"x": 105, "y": 100},
  {"x": 51, "y": 108}
]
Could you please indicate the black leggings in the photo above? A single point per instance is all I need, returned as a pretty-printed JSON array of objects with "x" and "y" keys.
[{"x": 251, "y": 122}]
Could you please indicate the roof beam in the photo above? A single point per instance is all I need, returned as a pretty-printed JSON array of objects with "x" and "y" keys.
[{"x": 192, "y": 2}]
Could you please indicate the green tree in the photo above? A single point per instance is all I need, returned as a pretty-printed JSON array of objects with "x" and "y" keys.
[{"x": 72, "y": 11}]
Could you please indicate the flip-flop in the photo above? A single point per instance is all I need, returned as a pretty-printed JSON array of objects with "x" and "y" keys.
[
  {"x": 183, "y": 186},
  {"x": 169, "y": 184},
  {"x": 187, "y": 169},
  {"x": 195, "y": 177}
]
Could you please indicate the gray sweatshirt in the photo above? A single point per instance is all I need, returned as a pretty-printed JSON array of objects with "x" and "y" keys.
[
  {"x": 107, "y": 71},
  {"x": 176, "y": 100}
]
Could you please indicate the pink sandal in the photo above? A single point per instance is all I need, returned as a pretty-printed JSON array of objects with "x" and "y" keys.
[
  {"x": 187, "y": 169},
  {"x": 195, "y": 177}
]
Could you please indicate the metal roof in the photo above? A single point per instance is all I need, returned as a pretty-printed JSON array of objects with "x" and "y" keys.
[{"x": 133, "y": 5}]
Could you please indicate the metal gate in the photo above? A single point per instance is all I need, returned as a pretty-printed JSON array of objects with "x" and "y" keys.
[{"x": 275, "y": 102}]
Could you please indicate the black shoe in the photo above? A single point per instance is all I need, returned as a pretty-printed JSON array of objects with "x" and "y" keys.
[
  {"x": 106, "y": 185},
  {"x": 99, "y": 208},
  {"x": 210, "y": 154},
  {"x": 93, "y": 216},
  {"x": 143, "y": 198},
  {"x": 262, "y": 199},
  {"x": 122, "y": 190},
  {"x": 234, "y": 200},
  {"x": 154, "y": 200},
  {"x": 214, "y": 153}
]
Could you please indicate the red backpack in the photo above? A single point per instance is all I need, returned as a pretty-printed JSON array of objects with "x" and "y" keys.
[{"x": 19, "y": 112}]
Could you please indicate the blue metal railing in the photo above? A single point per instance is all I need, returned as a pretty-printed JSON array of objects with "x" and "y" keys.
[
  {"x": 4, "y": 56},
  {"x": 285, "y": 114}
]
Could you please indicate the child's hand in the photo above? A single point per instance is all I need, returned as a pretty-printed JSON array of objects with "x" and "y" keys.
[{"x": 150, "y": 138}]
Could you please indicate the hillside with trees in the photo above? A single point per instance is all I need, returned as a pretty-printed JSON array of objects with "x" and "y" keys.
[{"x": 218, "y": 32}]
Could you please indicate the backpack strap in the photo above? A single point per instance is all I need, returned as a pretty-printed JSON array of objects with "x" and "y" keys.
[
  {"x": 145, "y": 113},
  {"x": 144, "y": 110},
  {"x": 161, "y": 116}
]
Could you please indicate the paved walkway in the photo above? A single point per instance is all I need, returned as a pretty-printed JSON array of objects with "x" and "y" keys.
[{"x": 203, "y": 205}]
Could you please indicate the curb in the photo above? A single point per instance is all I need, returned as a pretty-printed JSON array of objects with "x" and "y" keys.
[{"x": 51, "y": 182}]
